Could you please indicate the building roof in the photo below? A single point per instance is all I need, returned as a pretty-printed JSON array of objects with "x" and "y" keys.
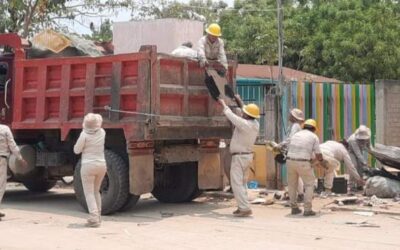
[{"x": 264, "y": 72}]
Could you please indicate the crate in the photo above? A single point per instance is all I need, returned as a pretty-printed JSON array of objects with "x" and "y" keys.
[
  {"x": 339, "y": 185},
  {"x": 50, "y": 159}
]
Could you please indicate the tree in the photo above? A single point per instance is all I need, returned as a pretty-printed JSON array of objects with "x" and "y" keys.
[
  {"x": 103, "y": 33},
  {"x": 201, "y": 10},
  {"x": 26, "y": 16}
]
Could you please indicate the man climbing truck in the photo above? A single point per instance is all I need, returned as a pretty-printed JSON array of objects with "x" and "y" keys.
[{"x": 163, "y": 128}]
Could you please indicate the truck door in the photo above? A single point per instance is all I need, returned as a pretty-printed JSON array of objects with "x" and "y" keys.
[{"x": 5, "y": 89}]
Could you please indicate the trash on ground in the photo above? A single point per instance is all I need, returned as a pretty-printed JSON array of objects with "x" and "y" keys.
[
  {"x": 382, "y": 187},
  {"x": 369, "y": 214},
  {"x": 374, "y": 201},
  {"x": 395, "y": 217},
  {"x": 346, "y": 200},
  {"x": 258, "y": 201},
  {"x": 362, "y": 224},
  {"x": 269, "y": 202},
  {"x": 252, "y": 184}
]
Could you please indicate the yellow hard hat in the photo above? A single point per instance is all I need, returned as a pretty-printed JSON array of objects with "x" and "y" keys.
[
  {"x": 214, "y": 29},
  {"x": 311, "y": 123},
  {"x": 251, "y": 110}
]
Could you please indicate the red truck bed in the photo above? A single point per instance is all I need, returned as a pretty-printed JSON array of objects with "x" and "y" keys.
[{"x": 55, "y": 93}]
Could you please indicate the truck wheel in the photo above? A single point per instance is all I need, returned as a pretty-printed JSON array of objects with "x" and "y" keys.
[
  {"x": 114, "y": 188},
  {"x": 39, "y": 185},
  {"x": 176, "y": 183},
  {"x": 130, "y": 202}
]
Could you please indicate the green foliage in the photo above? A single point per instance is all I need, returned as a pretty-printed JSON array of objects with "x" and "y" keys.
[
  {"x": 103, "y": 33},
  {"x": 27, "y": 16},
  {"x": 351, "y": 40}
]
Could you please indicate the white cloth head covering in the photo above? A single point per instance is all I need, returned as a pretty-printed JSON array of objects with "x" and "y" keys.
[
  {"x": 363, "y": 133},
  {"x": 297, "y": 113},
  {"x": 92, "y": 122}
]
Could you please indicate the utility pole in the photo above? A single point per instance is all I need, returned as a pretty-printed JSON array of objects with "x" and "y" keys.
[{"x": 279, "y": 89}]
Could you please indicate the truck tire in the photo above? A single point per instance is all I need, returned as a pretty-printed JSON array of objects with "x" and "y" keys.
[
  {"x": 115, "y": 187},
  {"x": 176, "y": 183},
  {"x": 39, "y": 185},
  {"x": 130, "y": 202}
]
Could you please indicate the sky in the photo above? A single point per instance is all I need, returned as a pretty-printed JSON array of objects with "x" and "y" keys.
[{"x": 81, "y": 25}]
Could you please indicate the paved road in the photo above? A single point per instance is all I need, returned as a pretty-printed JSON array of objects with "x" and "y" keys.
[{"x": 55, "y": 221}]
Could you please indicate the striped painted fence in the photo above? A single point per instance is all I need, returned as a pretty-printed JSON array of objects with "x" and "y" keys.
[{"x": 339, "y": 109}]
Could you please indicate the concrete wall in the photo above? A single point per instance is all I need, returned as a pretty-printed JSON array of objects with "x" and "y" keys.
[
  {"x": 166, "y": 34},
  {"x": 387, "y": 93}
]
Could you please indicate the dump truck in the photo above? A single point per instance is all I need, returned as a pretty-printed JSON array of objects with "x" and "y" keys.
[{"x": 162, "y": 127}]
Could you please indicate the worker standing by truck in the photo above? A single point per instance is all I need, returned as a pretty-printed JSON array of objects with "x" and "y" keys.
[
  {"x": 7, "y": 147},
  {"x": 303, "y": 145},
  {"x": 211, "y": 47},
  {"x": 91, "y": 144},
  {"x": 241, "y": 148}
]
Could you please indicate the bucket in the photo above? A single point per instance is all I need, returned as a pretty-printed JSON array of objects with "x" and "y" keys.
[{"x": 252, "y": 184}]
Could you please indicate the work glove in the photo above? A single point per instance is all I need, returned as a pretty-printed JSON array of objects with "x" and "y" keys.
[
  {"x": 203, "y": 63},
  {"x": 277, "y": 148},
  {"x": 323, "y": 164}
]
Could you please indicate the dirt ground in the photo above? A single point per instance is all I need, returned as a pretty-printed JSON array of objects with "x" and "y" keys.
[{"x": 55, "y": 221}]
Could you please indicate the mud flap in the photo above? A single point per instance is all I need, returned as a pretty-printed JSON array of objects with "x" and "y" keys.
[
  {"x": 141, "y": 174},
  {"x": 210, "y": 172}
]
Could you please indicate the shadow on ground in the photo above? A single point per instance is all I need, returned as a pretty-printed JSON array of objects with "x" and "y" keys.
[{"x": 62, "y": 202}]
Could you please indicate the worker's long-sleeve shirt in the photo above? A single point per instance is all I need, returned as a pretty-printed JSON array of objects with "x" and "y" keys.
[
  {"x": 212, "y": 51},
  {"x": 303, "y": 145},
  {"x": 7, "y": 143},
  {"x": 293, "y": 130},
  {"x": 91, "y": 144},
  {"x": 357, "y": 148},
  {"x": 341, "y": 154},
  {"x": 244, "y": 134}
]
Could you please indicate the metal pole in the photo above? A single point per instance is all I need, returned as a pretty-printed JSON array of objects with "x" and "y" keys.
[{"x": 279, "y": 88}]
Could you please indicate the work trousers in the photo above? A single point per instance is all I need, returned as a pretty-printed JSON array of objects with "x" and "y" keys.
[
  {"x": 359, "y": 167},
  {"x": 3, "y": 177},
  {"x": 303, "y": 170},
  {"x": 239, "y": 173},
  {"x": 330, "y": 169},
  {"x": 92, "y": 174}
]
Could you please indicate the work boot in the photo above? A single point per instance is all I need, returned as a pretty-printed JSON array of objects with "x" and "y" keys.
[
  {"x": 245, "y": 213},
  {"x": 92, "y": 224},
  {"x": 2, "y": 215},
  {"x": 309, "y": 213},
  {"x": 237, "y": 211},
  {"x": 296, "y": 210}
]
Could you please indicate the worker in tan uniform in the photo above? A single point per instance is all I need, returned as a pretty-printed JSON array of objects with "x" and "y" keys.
[
  {"x": 334, "y": 153},
  {"x": 7, "y": 147},
  {"x": 211, "y": 48},
  {"x": 241, "y": 147},
  {"x": 302, "y": 147},
  {"x": 91, "y": 145},
  {"x": 296, "y": 118}
]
